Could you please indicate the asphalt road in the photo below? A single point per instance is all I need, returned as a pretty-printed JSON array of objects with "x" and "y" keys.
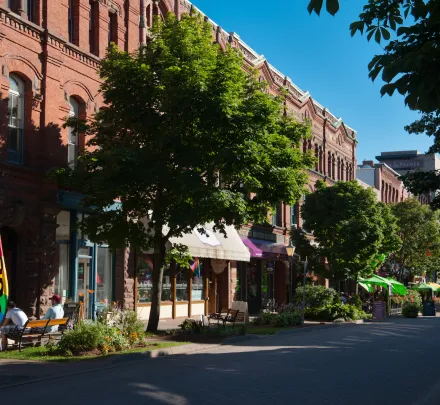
[{"x": 388, "y": 363}]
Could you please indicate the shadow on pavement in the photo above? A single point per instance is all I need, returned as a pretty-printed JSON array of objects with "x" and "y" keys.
[{"x": 376, "y": 363}]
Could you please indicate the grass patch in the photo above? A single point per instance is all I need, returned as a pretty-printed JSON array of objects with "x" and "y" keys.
[{"x": 43, "y": 354}]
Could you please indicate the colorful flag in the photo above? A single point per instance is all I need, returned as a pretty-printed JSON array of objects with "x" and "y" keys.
[
  {"x": 194, "y": 265},
  {"x": 4, "y": 288}
]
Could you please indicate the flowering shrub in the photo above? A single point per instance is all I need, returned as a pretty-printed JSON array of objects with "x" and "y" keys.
[{"x": 413, "y": 297}]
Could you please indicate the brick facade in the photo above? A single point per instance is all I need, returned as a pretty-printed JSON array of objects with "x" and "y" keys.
[{"x": 54, "y": 50}]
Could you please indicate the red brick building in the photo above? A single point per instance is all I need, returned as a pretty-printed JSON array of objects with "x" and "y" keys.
[
  {"x": 49, "y": 53},
  {"x": 384, "y": 179}
]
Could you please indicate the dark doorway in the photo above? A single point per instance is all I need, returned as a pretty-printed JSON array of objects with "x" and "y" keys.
[
  {"x": 253, "y": 286},
  {"x": 9, "y": 241}
]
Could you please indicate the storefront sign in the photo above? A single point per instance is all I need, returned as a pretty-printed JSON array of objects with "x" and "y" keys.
[
  {"x": 218, "y": 266},
  {"x": 258, "y": 235}
]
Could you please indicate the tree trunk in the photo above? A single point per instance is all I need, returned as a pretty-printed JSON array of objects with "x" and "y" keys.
[{"x": 158, "y": 268}]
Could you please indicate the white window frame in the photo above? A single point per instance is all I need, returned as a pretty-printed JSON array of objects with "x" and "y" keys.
[
  {"x": 16, "y": 122},
  {"x": 72, "y": 141}
]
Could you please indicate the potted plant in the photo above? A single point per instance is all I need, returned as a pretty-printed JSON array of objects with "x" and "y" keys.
[{"x": 410, "y": 310}]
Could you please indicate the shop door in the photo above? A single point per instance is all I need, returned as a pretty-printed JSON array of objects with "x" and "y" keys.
[
  {"x": 84, "y": 272},
  {"x": 253, "y": 287}
]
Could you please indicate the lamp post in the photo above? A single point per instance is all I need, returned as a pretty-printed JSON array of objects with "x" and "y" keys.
[
  {"x": 290, "y": 252},
  {"x": 304, "y": 292}
]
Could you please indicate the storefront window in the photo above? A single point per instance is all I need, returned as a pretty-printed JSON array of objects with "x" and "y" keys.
[
  {"x": 61, "y": 281},
  {"x": 104, "y": 274},
  {"x": 145, "y": 280},
  {"x": 182, "y": 285},
  {"x": 167, "y": 294},
  {"x": 197, "y": 284}
]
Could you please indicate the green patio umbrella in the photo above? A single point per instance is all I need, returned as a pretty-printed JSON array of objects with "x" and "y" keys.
[
  {"x": 425, "y": 287},
  {"x": 366, "y": 287},
  {"x": 376, "y": 280},
  {"x": 398, "y": 287}
]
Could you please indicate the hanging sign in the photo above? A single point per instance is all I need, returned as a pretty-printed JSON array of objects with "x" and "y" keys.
[{"x": 218, "y": 266}]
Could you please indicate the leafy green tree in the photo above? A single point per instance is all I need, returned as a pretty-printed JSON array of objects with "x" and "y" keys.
[
  {"x": 186, "y": 137},
  {"x": 351, "y": 228},
  {"x": 409, "y": 64},
  {"x": 419, "y": 230}
]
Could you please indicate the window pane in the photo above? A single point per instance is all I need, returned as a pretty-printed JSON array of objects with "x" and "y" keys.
[
  {"x": 197, "y": 284},
  {"x": 63, "y": 226},
  {"x": 167, "y": 294},
  {"x": 182, "y": 285},
  {"x": 61, "y": 281},
  {"x": 145, "y": 281},
  {"x": 104, "y": 275}
]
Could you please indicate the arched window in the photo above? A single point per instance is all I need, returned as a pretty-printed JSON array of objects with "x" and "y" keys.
[
  {"x": 342, "y": 170},
  {"x": 329, "y": 164},
  {"x": 316, "y": 157},
  {"x": 148, "y": 15},
  {"x": 16, "y": 119},
  {"x": 72, "y": 142},
  {"x": 293, "y": 215},
  {"x": 333, "y": 167},
  {"x": 338, "y": 169},
  {"x": 112, "y": 28}
]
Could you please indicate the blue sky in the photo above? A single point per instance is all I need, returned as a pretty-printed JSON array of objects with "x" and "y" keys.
[{"x": 320, "y": 56}]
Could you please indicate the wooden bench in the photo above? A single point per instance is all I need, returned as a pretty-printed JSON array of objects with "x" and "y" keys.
[
  {"x": 226, "y": 315},
  {"x": 62, "y": 327},
  {"x": 218, "y": 316},
  {"x": 36, "y": 330},
  {"x": 31, "y": 331}
]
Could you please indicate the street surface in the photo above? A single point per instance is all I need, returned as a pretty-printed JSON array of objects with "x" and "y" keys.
[{"x": 395, "y": 362}]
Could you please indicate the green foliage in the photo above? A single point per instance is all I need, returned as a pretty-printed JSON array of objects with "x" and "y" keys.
[
  {"x": 356, "y": 301},
  {"x": 351, "y": 228},
  {"x": 192, "y": 326},
  {"x": 419, "y": 230},
  {"x": 410, "y": 310},
  {"x": 315, "y": 296},
  {"x": 182, "y": 115},
  {"x": 335, "y": 311},
  {"x": 89, "y": 336},
  {"x": 282, "y": 320}
]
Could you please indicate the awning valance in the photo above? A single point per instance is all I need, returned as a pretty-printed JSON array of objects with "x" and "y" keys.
[
  {"x": 265, "y": 249},
  {"x": 214, "y": 245}
]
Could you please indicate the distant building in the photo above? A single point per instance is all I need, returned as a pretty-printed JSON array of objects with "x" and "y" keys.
[
  {"x": 409, "y": 161},
  {"x": 383, "y": 179}
]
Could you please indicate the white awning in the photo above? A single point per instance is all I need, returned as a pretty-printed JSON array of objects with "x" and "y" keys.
[{"x": 215, "y": 246}]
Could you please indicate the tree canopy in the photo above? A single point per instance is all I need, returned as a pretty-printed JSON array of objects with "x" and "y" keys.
[
  {"x": 409, "y": 64},
  {"x": 187, "y": 136},
  {"x": 419, "y": 230},
  {"x": 351, "y": 228}
]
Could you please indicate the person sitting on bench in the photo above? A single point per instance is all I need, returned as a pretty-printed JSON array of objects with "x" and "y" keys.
[
  {"x": 14, "y": 317},
  {"x": 54, "y": 312}
]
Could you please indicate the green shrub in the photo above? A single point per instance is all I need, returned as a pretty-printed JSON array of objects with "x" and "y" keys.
[
  {"x": 130, "y": 325},
  {"x": 192, "y": 326},
  {"x": 356, "y": 301},
  {"x": 316, "y": 295},
  {"x": 414, "y": 297},
  {"x": 335, "y": 311},
  {"x": 88, "y": 336},
  {"x": 410, "y": 310},
  {"x": 266, "y": 318},
  {"x": 282, "y": 320}
]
